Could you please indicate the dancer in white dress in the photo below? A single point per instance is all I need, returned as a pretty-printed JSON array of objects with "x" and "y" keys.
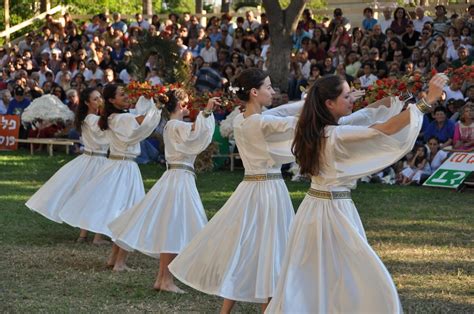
[
  {"x": 50, "y": 198},
  {"x": 171, "y": 213},
  {"x": 238, "y": 254},
  {"x": 118, "y": 186},
  {"x": 329, "y": 267}
]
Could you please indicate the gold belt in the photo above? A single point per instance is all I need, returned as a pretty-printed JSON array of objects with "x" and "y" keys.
[
  {"x": 180, "y": 166},
  {"x": 88, "y": 153},
  {"x": 334, "y": 195},
  {"x": 263, "y": 177},
  {"x": 121, "y": 157}
]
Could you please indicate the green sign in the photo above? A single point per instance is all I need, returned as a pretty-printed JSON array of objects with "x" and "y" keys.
[{"x": 447, "y": 178}]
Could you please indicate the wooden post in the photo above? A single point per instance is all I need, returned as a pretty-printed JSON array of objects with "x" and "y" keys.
[
  {"x": 147, "y": 8},
  {"x": 6, "y": 4},
  {"x": 45, "y": 5},
  {"x": 225, "y": 6},
  {"x": 199, "y": 7}
]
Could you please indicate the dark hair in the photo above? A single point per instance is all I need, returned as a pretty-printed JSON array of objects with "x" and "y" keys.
[
  {"x": 420, "y": 159},
  {"x": 440, "y": 108},
  {"x": 109, "y": 92},
  {"x": 368, "y": 10},
  {"x": 248, "y": 79},
  {"x": 171, "y": 99},
  {"x": 309, "y": 137},
  {"x": 82, "y": 109},
  {"x": 433, "y": 138}
]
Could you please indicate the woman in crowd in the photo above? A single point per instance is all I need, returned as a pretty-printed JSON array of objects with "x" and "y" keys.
[
  {"x": 464, "y": 129},
  {"x": 441, "y": 127},
  {"x": 400, "y": 21},
  {"x": 51, "y": 197},
  {"x": 238, "y": 254},
  {"x": 118, "y": 186},
  {"x": 329, "y": 266},
  {"x": 417, "y": 167},
  {"x": 171, "y": 213},
  {"x": 436, "y": 156}
]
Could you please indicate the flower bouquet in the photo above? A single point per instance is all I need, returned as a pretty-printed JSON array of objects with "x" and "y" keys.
[{"x": 137, "y": 89}]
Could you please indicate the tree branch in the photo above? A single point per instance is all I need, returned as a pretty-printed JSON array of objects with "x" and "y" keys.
[
  {"x": 272, "y": 9},
  {"x": 293, "y": 11}
]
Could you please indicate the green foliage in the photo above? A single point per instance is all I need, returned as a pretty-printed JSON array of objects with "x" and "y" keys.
[
  {"x": 180, "y": 6},
  {"x": 168, "y": 58}
]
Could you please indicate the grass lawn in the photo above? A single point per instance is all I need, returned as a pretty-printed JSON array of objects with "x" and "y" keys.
[{"x": 423, "y": 235}]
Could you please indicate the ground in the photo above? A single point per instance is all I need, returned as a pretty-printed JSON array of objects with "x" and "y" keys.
[{"x": 423, "y": 235}]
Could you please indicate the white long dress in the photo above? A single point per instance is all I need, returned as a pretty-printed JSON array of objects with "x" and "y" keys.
[
  {"x": 118, "y": 186},
  {"x": 50, "y": 198},
  {"x": 329, "y": 266},
  {"x": 171, "y": 213},
  {"x": 238, "y": 254}
]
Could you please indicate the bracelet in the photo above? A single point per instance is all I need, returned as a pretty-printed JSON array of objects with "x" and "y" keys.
[
  {"x": 423, "y": 106},
  {"x": 206, "y": 113}
]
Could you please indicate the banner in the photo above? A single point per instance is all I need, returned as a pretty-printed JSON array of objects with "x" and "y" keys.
[
  {"x": 453, "y": 171},
  {"x": 9, "y": 131}
]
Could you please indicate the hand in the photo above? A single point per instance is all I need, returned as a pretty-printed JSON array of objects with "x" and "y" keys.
[
  {"x": 435, "y": 89},
  {"x": 212, "y": 102},
  {"x": 355, "y": 94}
]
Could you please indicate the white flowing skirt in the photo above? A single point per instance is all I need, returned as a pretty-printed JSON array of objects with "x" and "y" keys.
[
  {"x": 329, "y": 267},
  {"x": 238, "y": 254},
  {"x": 166, "y": 220},
  {"x": 50, "y": 198},
  {"x": 116, "y": 188}
]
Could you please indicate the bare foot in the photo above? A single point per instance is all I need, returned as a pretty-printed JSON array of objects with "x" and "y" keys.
[
  {"x": 170, "y": 287},
  {"x": 81, "y": 240},
  {"x": 100, "y": 242},
  {"x": 120, "y": 268},
  {"x": 157, "y": 285}
]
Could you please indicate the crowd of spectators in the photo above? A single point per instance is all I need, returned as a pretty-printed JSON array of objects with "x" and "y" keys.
[{"x": 65, "y": 57}]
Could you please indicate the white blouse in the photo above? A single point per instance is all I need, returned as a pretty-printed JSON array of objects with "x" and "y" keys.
[
  {"x": 264, "y": 140},
  {"x": 352, "y": 152},
  {"x": 125, "y": 133},
  {"x": 182, "y": 144},
  {"x": 93, "y": 138}
]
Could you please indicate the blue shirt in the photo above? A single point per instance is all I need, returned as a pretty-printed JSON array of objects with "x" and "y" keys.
[
  {"x": 369, "y": 24},
  {"x": 16, "y": 107},
  {"x": 208, "y": 79},
  {"x": 444, "y": 134}
]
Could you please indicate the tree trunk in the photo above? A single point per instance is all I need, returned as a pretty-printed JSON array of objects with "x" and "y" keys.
[
  {"x": 282, "y": 23},
  {"x": 198, "y": 6},
  {"x": 45, "y": 5},
  {"x": 6, "y": 4},
  {"x": 225, "y": 6},
  {"x": 147, "y": 8}
]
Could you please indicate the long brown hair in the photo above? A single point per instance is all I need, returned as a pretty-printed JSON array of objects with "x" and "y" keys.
[
  {"x": 82, "y": 110},
  {"x": 109, "y": 92},
  {"x": 309, "y": 141}
]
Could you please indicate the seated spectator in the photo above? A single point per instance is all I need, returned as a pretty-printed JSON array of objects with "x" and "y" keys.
[
  {"x": 469, "y": 94},
  {"x": 453, "y": 89},
  {"x": 118, "y": 24},
  {"x": 250, "y": 22},
  {"x": 140, "y": 23},
  {"x": 368, "y": 22},
  {"x": 380, "y": 66},
  {"x": 93, "y": 72},
  {"x": 464, "y": 58},
  {"x": 341, "y": 71},
  {"x": 441, "y": 23},
  {"x": 386, "y": 21},
  {"x": 328, "y": 67},
  {"x": 5, "y": 98},
  {"x": 208, "y": 53},
  {"x": 352, "y": 64},
  {"x": 207, "y": 78},
  {"x": 340, "y": 38},
  {"x": 338, "y": 19},
  {"x": 452, "y": 53},
  {"x": 441, "y": 127},
  {"x": 421, "y": 19},
  {"x": 400, "y": 21},
  {"x": 368, "y": 78},
  {"x": 410, "y": 37},
  {"x": 315, "y": 74},
  {"x": 464, "y": 129},
  {"x": 418, "y": 166},
  {"x": 19, "y": 102},
  {"x": 436, "y": 156}
]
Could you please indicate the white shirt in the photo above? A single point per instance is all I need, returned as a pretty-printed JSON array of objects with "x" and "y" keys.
[
  {"x": 155, "y": 80},
  {"x": 418, "y": 24},
  {"x": 255, "y": 24},
  {"x": 450, "y": 94},
  {"x": 59, "y": 75},
  {"x": 97, "y": 75},
  {"x": 124, "y": 76},
  {"x": 306, "y": 69},
  {"x": 452, "y": 53},
  {"x": 384, "y": 24},
  {"x": 209, "y": 55},
  {"x": 143, "y": 24},
  {"x": 366, "y": 81}
]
